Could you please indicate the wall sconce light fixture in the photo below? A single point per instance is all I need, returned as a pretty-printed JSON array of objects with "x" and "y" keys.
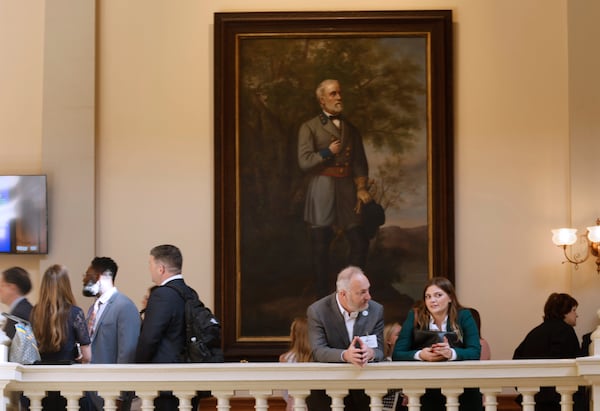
[{"x": 563, "y": 237}]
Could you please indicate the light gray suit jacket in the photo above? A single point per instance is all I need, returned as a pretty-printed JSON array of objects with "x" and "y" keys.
[
  {"x": 115, "y": 339},
  {"x": 327, "y": 330}
]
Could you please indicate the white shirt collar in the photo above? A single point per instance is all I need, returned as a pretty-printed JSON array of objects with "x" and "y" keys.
[
  {"x": 173, "y": 277},
  {"x": 106, "y": 295},
  {"x": 347, "y": 315},
  {"x": 433, "y": 326}
]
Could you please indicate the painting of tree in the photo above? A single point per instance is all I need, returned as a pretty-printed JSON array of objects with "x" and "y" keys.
[
  {"x": 394, "y": 69},
  {"x": 384, "y": 90}
]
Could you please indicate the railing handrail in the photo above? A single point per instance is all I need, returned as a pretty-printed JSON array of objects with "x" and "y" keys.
[
  {"x": 261, "y": 380},
  {"x": 252, "y": 376}
]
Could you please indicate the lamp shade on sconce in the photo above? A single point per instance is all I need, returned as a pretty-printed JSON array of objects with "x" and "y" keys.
[
  {"x": 594, "y": 233},
  {"x": 565, "y": 236}
]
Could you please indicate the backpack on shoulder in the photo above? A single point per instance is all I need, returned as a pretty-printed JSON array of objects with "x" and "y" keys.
[
  {"x": 203, "y": 329},
  {"x": 23, "y": 348}
]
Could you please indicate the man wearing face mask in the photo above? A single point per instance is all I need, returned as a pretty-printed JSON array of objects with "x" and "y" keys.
[{"x": 113, "y": 323}]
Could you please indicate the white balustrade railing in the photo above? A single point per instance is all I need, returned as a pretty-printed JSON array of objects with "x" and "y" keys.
[{"x": 262, "y": 380}]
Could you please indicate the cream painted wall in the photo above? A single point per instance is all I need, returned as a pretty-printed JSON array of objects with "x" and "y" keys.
[
  {"x": 584, "y": 125},
  {"x": 21, "y": 73},
  {"x": 154, "y": 165}
]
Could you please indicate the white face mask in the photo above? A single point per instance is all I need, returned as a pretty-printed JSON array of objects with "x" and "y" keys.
[
  {"x": 91, "y": 289},
  {"x": 94, "y": 289}
]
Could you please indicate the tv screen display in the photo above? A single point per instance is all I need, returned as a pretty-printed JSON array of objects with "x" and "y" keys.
[{"x": 23, "y": 215}]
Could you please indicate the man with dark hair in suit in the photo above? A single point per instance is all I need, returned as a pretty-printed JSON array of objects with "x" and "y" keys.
[
  {"x": 162, "y": 338},
  {"x": 113, "y": 323},
  {"x": 14, "y": 286},
  {"x": 346, "y": 326},
  {"x": 331, "y": 151}
]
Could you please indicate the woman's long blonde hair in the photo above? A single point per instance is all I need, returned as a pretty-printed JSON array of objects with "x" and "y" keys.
[
  {"x": 422, "y": 314},
  {"x": 299, "y": 344},
  {"x": 50, "y": 315},
  {"x": 388, "y": 335}
]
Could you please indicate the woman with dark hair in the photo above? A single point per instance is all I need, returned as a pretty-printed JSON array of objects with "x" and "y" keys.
[
  {"x": 440, "y": 316},
  {"x": 554, "y": 338}
]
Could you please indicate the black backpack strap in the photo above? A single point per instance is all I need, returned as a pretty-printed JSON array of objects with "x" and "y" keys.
[
  {"x": 188, "y": 294},
  {"x": 15, "y": 318},
  {"x": 179, "y": 290}
]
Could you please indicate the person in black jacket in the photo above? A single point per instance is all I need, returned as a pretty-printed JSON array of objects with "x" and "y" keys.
[
  {"x": 162, "y": 337},
  {"x": 554, "y": 338},
  {"x": 14, "y": 285}
]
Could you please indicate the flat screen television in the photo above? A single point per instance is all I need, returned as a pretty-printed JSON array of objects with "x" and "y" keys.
[{"x": 23, "y": 214}]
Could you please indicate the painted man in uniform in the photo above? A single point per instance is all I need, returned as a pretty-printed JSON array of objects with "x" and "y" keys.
[{"x": 330, "y": 148}]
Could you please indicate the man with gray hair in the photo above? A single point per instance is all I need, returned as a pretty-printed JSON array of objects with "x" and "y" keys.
[
  {"x": 331, "y": 152},
  {"x": 346, "y": 326}
]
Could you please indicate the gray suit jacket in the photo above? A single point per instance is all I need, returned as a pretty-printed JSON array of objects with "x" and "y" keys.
[
  {"x": 327, "y": 329},
  {"x": 331, "y": 200},
  {"x": 117, "y": 332}
]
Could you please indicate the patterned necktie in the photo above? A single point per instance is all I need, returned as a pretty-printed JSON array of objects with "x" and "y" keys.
[{"x": 92, "y": 318}]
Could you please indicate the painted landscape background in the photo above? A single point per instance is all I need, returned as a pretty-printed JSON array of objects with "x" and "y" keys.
[{"x": 384, "y": 89}]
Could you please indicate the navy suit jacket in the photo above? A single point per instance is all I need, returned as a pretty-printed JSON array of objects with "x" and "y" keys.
[
  {"x": 115, "y": 339},
  {"x": 162, "y": 338},
  {"x": 21, "y": 310},
  {"x": 327, "y": 329}
]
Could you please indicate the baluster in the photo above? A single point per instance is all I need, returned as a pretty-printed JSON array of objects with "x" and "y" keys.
[
  {"x": 337, "y": 399},
  {"x": 35, "y": 399},
  {"x": 490, "y": 396},
  {"x": 299, "y": 398},
  {"x": 72, "y": 399},
  {"x": 185, "y": 399},
  {"x": 223, "y": 399},
  {"x": 528, "y": 393},
  {"x": 566, "y": 396},
  {"x": 376, "y": 396},
  {"x": 414, "y": 398},
  {"x": 261, "y": 399},
  {"x": 451, "y": 395},
  {"x": 147, "y": 399},
  {"x": 110, "y": 399}
]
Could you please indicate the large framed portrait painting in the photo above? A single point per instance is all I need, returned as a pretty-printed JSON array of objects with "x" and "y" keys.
[{"x": 277, "y": 246}]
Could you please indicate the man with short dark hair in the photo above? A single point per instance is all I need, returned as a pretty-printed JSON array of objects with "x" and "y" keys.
[
  {"x": 113, "y": 322},
  {"x": 14, "y": 285}
]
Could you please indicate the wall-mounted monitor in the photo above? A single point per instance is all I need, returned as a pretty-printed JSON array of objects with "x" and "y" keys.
[{"x": 23, "y": 214}]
